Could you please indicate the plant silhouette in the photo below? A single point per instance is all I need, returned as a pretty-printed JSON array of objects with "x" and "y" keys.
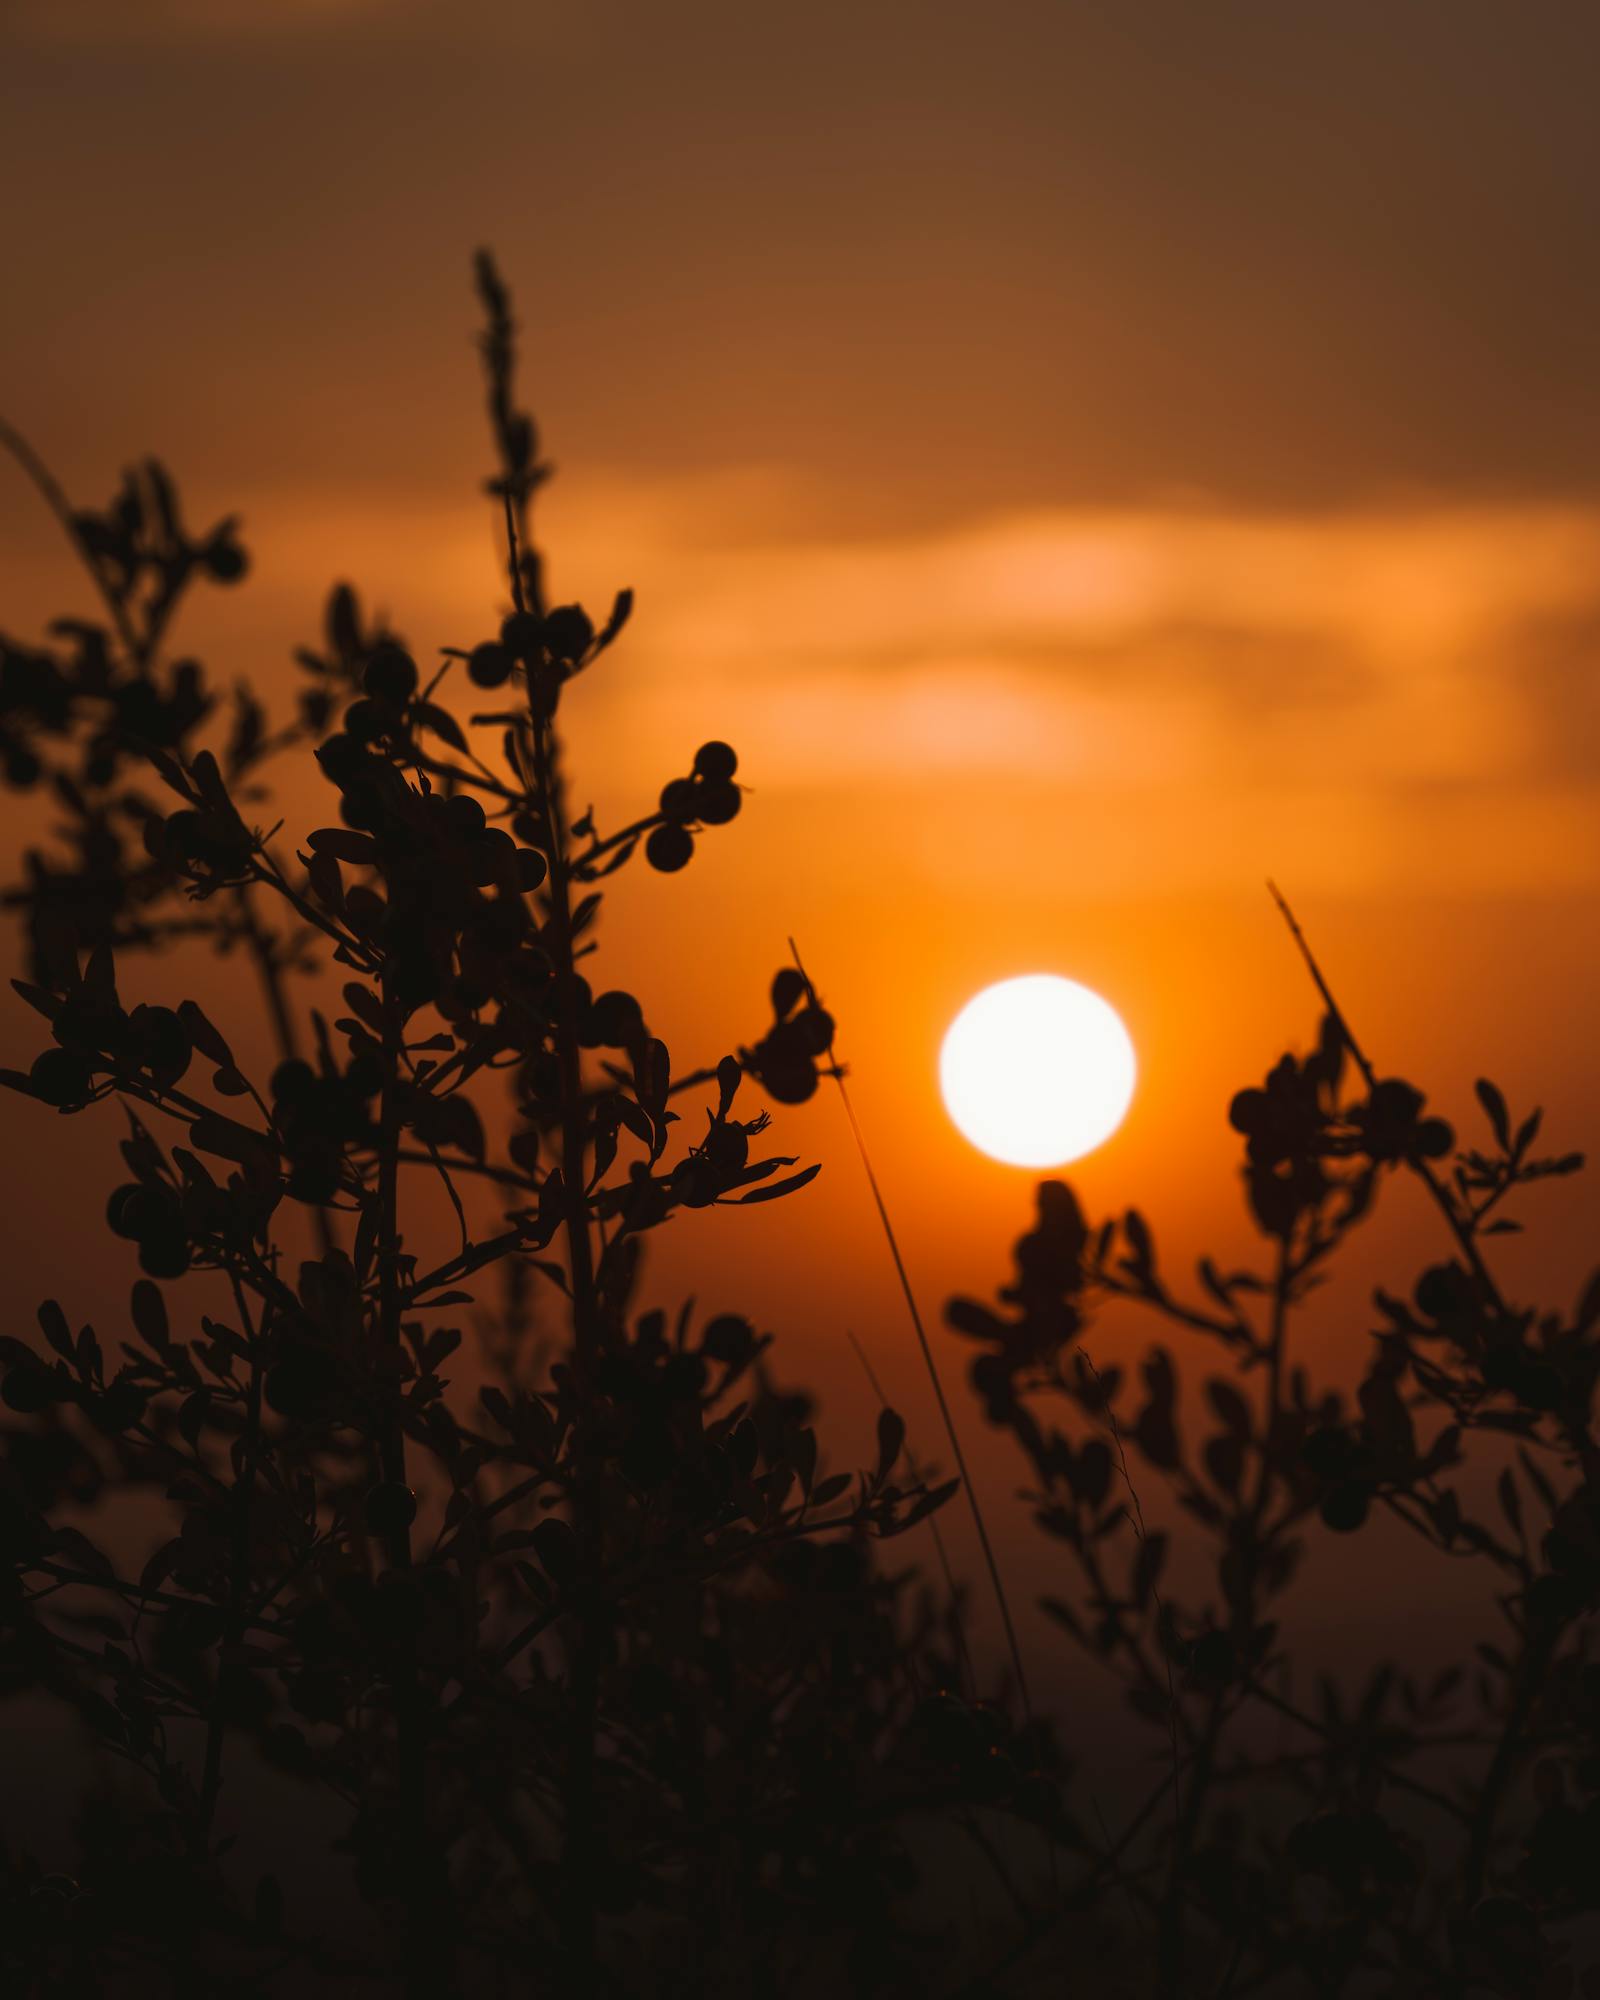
[
  {"x": 1424, "y": 1837},
  {"x": 573, "y": 1657},
  {"x": 599, "y": 1667}
]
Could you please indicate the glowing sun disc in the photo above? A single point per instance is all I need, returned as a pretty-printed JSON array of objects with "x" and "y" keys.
[{"x": 1037, "y": 1071}]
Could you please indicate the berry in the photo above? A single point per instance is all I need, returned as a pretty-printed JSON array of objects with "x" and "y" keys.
[
  {"x": 568, "y": 632},
  {"x": 523, "y": 634},
  {"x": 391, "y": 676},
  {"x": 490, "y": 665},
  {"x": 298, "y": 1384},
  {"x": 669, "y": 848},
  {"x": 1212, "y": 1659},
  {"x": 718, "y": 803},
  {"x": 225, "y": 561},
  {"x": 813, "y": 1030},
  {"x": 118, "y": 1218},
  {"x": 464, "y": 814},
  {"x": 293, "y": 1080},
  {"x": 680, "y": 797},
  {"x": 340, "y": 757},
  {"x": 27, "y": 1389},
  {"x": 166, "y": 1254},
  {"x": 729, "y": 1338},
  {"x": 614, "y": 1021},
  {"x": 64, "y": 1078},
  {"x": 1344, "y": 1507},
  {"x": 391, "y": 1508},
  {"x": 715, "y": 762},
  {"x": 367, "y": 721}
]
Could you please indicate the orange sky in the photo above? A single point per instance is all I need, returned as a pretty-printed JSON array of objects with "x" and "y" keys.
[{"x": 1086, "y": 459}]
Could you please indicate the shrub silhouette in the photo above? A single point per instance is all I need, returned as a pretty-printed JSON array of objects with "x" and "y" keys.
[
  {"x": 1401, "y": 1846},
  {"x": 589, "y": 1672},
  {"x": 600, "y": 1668}
]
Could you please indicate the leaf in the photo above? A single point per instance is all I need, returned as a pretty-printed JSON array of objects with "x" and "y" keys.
[
  {"x": 621, "y": 611},
  {"x": 88, "y": 1355},
  {"x": 150, "y": 1314},
  {"x": 788, "y": 990},
  {"x": 439, "y": 1346},
  {"x": 269, "y": 1905},
  {"x": 441, "y": 722},
  {"x": 344, "y": 843},
  {"x": 1510, "y": 1501},
  {"x": 229, "y": 1140},
  {"x": 38, "y": 999},
  {"x": 891, "y": 1437},
  {"x": 620, "y": 859},
  {"x": 776, "y": 1188},
  {"x": 342, "y": 621},
  {"x": 364, "y": 1004},
  {"x": 556, "y": 1546},
  {"x": 1063, "y": 1614},
  {"x": 495, "y": 1402},
  {"x": 53, "y": 1324},
  {"x": 920, "y": 1508},
  {"x": 327, "y": 884},
  {"x": 74, "y": 1543},
  {"x": 1140, "y": 1260},
  {"x": 100, "y": 975},
  {"x": 1147, "y": 1566},
  {"x": 1494, "y": 1106},
  {"x": 1224, "y": 1461},
  {"x": 204, "y": 1036},
  {"x": 1230, "y": 1406},
  {"x": 158, "y": 1568}
]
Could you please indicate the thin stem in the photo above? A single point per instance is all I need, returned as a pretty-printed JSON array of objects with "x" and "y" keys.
[
  {"x": 1419, "y": 1166},
  {"x": 1155, "y": 1593},
  {"x": 427, "y": 1913},
  {"x": 1172, "y": 1949},
  {"x": 579, "y": 1857},
  {"x": 957, "y": 1616},
  {"x": 1531, "y": 1668},
  {"x": 269, "y": 967},
  {"x": 56, "y": 500},
  {"x": 995, "y": 1580},
  {"x": 241, "y": 1501}
]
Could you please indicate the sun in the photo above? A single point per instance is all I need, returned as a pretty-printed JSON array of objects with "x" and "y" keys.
[{"x": 1037, "y": 1071}]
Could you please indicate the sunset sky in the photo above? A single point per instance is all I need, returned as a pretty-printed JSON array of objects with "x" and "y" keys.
[{"x": 1088, "y": 459}]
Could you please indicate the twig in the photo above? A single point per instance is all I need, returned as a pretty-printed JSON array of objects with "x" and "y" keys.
[
  {"x": 1417, "y": 1164},
  {"x": 932, "y": 1366},
  {"x": 915, "y": 1470},
  {"x": 1139, "y": 1528}
]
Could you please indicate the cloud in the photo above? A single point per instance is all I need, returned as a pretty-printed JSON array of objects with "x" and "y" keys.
[
  {"x": 191, "y": 21},
  {"x": 1374, "y": 699}
]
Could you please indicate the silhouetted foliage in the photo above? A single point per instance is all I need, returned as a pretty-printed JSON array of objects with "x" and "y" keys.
[
  {"x": 1419, "y": 1836},
  {"x": 599, "y": 1666},
  {"x": 574, "y": 1656}
]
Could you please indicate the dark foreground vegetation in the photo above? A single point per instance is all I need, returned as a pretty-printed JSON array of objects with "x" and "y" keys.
[{"x": 565, "y": 1651}]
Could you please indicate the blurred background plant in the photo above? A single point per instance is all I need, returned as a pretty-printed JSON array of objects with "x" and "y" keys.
[{"x": 1420, "y": 1835}]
